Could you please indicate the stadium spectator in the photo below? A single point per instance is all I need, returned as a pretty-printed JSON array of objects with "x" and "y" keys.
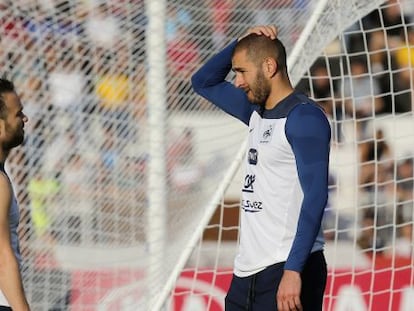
[
  {"x": 404, "y": 240},
  {"x": 405, "y": 176},
  {"x": 183, "y": 56},
  {"x": 381, "y": 45},
  {"x": 407, "y": 6},
  {"x": 56, "y": 23},
  {"x": 77, "y": 180},
  {"x": 405, "y": 51},
  {"x": 404, "y": 57},
  {"x": 115, "y": 91},
  {"x": 112, "y": 84},
  {"x": 65, "y": 81},
  {"x": 388, "y": 16},
  {"x": 375, "y": 159},
  {"x": 322, "y": 88},
  {"x": 265, "y": 10},
  {"x": 43, "y": 193},
  {"x": 102, "y": 27},
  {"x": 405, "y": 190},
  {"x": 184, "y": 172},
  {"x": 360, "y": 95},
  {"x": 391, "y": 17},
  {"x": 177, "y": 18},
  {"x": 132, "y": 186},
  {"x": 12, "y": 27},
  {"x": 221, "y": 18},
  {"x": 368, "y": 239},
  {"x": 392, "y": 77}
]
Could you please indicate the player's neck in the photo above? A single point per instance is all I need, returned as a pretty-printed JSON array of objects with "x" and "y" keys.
[
  {"x": 3, "y": 157},
  {"x": 279, "y": 92}
]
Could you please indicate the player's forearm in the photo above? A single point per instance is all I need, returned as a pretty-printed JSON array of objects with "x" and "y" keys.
[
  {"x": 309, "y": 222},
  {"x": 209, "y": 82},
  {"x": 215, "y": 70},
  {"x": 11, "y": 282}
]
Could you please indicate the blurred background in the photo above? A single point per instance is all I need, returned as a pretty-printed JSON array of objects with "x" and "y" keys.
[{"x": 129, "y": 183}]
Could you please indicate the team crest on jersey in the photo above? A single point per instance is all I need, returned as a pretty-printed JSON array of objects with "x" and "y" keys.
[
  {"x": 267, "y": 134},
  {"x": 252, "y": 156}
]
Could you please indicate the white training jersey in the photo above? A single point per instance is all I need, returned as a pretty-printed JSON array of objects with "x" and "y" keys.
[
  {"x": 271, "y": 197},
  {"x": 285, "y": 187},
  {"x": 14, "y": 216}
]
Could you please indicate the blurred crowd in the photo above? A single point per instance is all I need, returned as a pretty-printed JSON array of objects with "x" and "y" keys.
[
  {"x": 373, "y": 81},
  {"x": 80, "y": 68},
  {"x": 81, "y": 65}
]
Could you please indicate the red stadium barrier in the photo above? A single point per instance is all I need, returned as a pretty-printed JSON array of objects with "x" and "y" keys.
[{"x": 387, "y": 287}]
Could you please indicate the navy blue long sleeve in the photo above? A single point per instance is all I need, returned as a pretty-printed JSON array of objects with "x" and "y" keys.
[
  {"x": 308, "y": 132},
  {"x": 209, "y": 82}
]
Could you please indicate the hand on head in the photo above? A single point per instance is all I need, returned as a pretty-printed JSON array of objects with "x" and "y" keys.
[{"x": 265, "y": 30}]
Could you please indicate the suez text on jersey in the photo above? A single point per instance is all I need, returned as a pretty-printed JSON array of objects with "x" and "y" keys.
[
  {"x": 248, "y": 205},
  {"x": 251, "y": 206}
]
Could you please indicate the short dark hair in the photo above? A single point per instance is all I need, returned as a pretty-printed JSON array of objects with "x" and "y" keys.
[
  {"x": 259, "y": 47},
  {"x": 6, "y": 86}
]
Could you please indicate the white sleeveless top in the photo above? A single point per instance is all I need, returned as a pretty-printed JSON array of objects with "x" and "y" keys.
[{"x": 14, "y": 216}]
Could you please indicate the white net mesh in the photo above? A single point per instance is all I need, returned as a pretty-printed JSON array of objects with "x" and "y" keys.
[{"x": 87, "y": 174}]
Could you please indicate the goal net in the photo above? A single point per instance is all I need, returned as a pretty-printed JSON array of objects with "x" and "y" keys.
[{"x": 129, "y": 183}]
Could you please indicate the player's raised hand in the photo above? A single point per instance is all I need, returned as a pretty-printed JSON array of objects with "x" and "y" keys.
[{"x": 265, "y": 30}]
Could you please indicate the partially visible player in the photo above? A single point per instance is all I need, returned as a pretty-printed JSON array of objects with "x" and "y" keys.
[
  {"x": 280, "y": 264},
  {"x": 12, "y": 119}
]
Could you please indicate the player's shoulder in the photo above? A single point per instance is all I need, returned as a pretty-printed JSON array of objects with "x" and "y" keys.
[
  {"x": 306, "y": 107},
  {"x": 307, "y": 117},
  {"x": 5, "y": 188}
]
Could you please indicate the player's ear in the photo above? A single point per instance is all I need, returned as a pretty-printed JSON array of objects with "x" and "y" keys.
[{"x": 270, "y": 67}]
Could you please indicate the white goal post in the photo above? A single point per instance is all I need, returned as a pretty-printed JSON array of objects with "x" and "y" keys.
[{"x": 128, "y": 182}]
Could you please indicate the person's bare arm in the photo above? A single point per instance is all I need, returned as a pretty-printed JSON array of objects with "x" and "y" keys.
[{"x": 10, "y": 279}]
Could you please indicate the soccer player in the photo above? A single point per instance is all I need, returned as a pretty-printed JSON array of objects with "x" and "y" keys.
[
  {"x": 12, "y": 119},
  {"x": 280, "y": 263}
]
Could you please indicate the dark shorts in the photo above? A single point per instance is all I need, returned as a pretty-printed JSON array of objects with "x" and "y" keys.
[
  {"x": 3, "y": 308},
  {"x": 258, "y": 292}
]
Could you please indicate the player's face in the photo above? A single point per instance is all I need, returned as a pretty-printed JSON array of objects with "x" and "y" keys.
[
  {"x": 250, "y": 79},
  {"x": 12, "y": 127},
  {"x": 260, "y": 89}
]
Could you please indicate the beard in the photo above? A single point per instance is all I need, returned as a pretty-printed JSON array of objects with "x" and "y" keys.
[
  {"x": 16, "y": 138},
  {"x": 260, "y": 90}
]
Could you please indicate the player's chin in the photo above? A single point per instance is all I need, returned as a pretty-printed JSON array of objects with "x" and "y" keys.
[
  {"x": 250, "y": 96},
  {"x": 19, "y": 139},
  {"x": 253, "y": 100}
]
